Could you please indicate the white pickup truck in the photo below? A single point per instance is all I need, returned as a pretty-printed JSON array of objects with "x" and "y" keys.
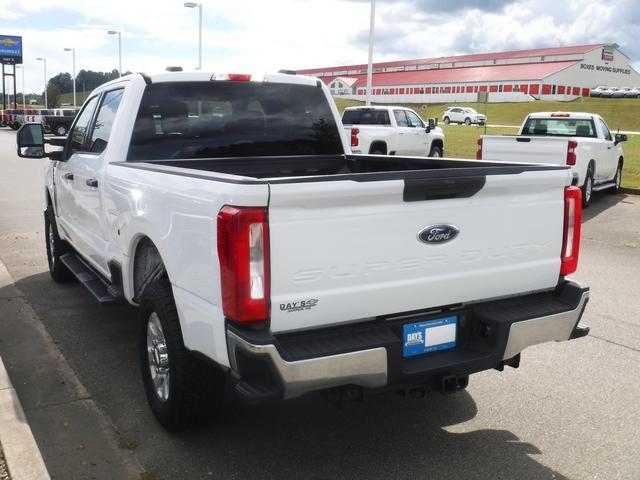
[
  {"x": 581, "y": 140},
  {"x": 261, "y": 254},
  {"x": 392, "y": 130}
]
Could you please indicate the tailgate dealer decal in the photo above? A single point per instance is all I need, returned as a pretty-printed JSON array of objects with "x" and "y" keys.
[{"x": 299, "y": 306}]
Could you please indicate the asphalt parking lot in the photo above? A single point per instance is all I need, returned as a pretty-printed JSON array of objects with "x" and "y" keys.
[{"x": 570, "y": 411}]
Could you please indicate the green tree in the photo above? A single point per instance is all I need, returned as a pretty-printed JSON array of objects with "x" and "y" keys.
[
  {"x": 64, "y": 82},
  {"x": 53, "y": 95}
]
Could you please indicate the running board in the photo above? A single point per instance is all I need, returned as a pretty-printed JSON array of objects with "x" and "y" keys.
[
  {"x": 104, "y": 291},
  {"x": 603, "y": 186}
]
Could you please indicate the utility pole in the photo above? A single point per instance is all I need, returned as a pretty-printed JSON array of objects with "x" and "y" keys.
[
  {"x": 73, "y": 51},
  {"x": 44, "y": 60},
  {"x": 119, "y": 33},
  {"x": 199, "y": 5},
  {"x": 372, "y": 25}
]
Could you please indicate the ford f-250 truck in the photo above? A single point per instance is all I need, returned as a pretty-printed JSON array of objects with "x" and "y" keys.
[
  {"x": 384, "y": 130},
  {"x": 581, "y": 140},
  {"x": 260, "y": 254}
]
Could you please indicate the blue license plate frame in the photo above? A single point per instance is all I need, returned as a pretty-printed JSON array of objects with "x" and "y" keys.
[{"x": 427, "y": 336}]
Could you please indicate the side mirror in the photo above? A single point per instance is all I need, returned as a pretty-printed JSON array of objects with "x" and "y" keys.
[
  {"x": 30, "y": 140},
  {"x": 621, "y": 137},
  {"x": 427, "y": 128},
  {"x": 433, "y": 123}
]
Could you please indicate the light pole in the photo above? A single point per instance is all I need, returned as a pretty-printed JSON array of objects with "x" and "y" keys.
[
  {"x": 73, "y": 52},
  {"x": 119, "y": 33},
  {"x": 199, "y": 5},
  {"x": 24, "y": 102},
  {"x": 372, "y": 25},
  {"x": 44, "y": 60}
]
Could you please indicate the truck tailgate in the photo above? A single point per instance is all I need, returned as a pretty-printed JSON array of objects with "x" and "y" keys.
[
  {"x": 349, "y": 250},
  {"x": 529, "y": 149}
]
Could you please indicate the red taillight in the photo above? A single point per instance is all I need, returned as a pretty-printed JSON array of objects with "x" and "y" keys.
[
  {"x": 479, "y": 150},
  {"x": 354, "y": 137},
  {"x": 239, "y": 77},
  {"x": 243, "y": 251},
  {"x": 571, "y": 152},
  {"x": 572, "y": 224}
]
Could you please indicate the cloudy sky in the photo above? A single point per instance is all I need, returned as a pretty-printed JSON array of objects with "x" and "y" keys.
[{"x": 260, "y": 35}]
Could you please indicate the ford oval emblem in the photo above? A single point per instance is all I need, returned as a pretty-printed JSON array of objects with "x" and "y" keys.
[{"x": 439, "y": 233}]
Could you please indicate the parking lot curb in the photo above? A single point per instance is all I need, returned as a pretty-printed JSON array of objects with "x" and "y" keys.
[
  {"x": 630, "y": 191},
  {"x": 21, "y": 452}
]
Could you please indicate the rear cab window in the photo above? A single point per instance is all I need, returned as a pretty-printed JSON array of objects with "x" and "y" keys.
[
  {"x": 190, "y": 120},
  {"x": 401, "y": 118},
  {"x": 560, "y": 127},
  {"x": 366, "y": 116}
]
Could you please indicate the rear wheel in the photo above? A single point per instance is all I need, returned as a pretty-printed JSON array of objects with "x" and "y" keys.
[
  {"x": 587, "y": 189},
  {"x": 447, "y": 121},
  {"x": 56, "y": 247},
  {"x": 435, "y": 152},
  {"x": 617, "y": 180},
  {"x": 180, "y": 389},
  {"x": 467, "y": 121}
]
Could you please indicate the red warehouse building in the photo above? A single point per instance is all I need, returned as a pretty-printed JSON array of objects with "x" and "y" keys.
[{"x": 562, "y": 73}]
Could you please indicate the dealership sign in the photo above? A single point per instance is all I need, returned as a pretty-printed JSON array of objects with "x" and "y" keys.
[
  {"x": 10, "y": 49},
  {"x": 607, "y": 54}
]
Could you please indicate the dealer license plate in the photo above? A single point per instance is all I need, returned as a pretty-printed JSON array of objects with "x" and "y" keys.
[{"x": 429, "y": 336}]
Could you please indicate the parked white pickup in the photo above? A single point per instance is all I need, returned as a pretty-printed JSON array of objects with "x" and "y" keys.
[
  {"x": 392, "y": 131},
  {"x": 581, "y": 140},
  {"x": 260, "y": 253}
]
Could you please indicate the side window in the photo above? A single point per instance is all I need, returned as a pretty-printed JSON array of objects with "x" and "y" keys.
[
  {"x": 605, "y": 131},
  {"x": 414, "y": 120},
  {"x": 401, "y": 118},
  {"x": 104, "y": 120},
  {"x": 78, "y": 135}
]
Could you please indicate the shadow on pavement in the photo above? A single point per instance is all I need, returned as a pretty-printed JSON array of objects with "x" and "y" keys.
[
  {"x": 384, "y": 437},
  {"x": 601, "y": 202}
]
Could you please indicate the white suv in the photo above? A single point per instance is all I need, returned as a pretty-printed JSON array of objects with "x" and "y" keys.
[{"x": 462, "y": 115}]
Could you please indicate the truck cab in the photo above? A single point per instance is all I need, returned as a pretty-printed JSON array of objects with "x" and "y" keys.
[
  {"x": 392, "y": 130},
  {"x": 583, "y": 141}
]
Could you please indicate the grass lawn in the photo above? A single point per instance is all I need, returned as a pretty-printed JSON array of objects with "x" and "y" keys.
[
  {"x": 67, "y": 98},
  {"x": 622, "y": 114}
]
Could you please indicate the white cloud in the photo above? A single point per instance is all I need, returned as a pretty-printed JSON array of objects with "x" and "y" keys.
[{"x": 254, "y": 35}]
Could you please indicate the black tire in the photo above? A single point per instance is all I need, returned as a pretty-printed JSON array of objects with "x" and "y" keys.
[
  {"x": 61, "y": 130},
  {"x": 15, "y": 126},
  {"x": 587, "y": 189},
  {"x": 195, "y": 390},
  {"x": 447, "y": 120},
  {"x": 467, "y": 121},
  {"x": 617, "y": 180},
  {"x": 378, "y": 149},
  {"x": 56, "y": 247},
  {"x": 436, "y": 152}
]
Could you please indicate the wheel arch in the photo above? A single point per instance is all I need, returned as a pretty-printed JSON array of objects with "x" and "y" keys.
[
  {"x": 378, "y": 143},
  {"x": 437, "y": 142},
  {"x": 146, "y": 265}
]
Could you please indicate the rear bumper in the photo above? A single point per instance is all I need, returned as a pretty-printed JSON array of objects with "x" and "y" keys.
[{"x": 490, "y": 335}]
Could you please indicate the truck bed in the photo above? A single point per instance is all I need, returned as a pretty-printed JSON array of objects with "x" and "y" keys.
[{"x": 343, "y": 166}]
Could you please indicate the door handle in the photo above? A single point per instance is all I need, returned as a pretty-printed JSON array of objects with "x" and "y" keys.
[
  {"x": 68, "y": 176},
  {"x": 92, "y": 182}
]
